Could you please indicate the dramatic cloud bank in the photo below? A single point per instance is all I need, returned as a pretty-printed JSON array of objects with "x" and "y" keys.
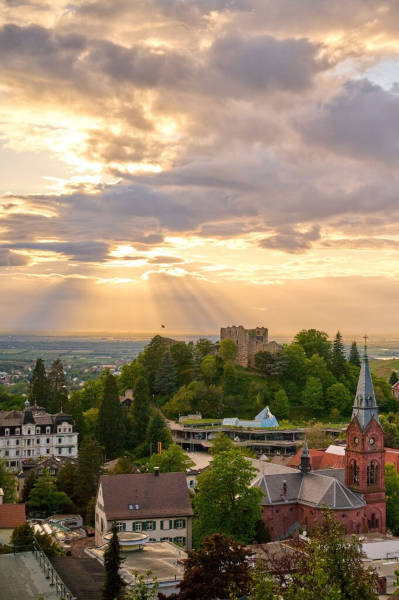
[{"x": 198, "y": 161}]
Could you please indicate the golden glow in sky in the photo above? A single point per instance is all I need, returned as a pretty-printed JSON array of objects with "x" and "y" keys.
[{"x": 199, "y": 163}]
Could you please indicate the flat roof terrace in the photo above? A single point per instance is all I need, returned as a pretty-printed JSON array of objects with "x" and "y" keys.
[{"x": 21, "y": 578}]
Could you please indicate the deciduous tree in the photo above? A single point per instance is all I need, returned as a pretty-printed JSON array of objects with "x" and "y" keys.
[
  {"x": 314, "y": 341},
  {"x": 173, "y": 460},
  {"x": 228, "y": 349},
  {"x": 219, "y": 569},
  {"x": 225, "y": 501}
]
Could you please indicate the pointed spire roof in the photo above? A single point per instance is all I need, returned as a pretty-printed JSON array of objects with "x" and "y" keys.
[
  {"x": 305, "y": 449},
  {"x": 365, "y": 406}
]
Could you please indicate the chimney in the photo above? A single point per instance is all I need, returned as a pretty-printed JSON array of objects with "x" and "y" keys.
[
  {"x": 1, "y": 495},
  {"x": 156, "y": 471}
]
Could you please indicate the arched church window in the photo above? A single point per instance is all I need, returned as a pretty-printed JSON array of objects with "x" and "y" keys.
[
  {"x": 372, "y": 473},
  {"x": 354, "y": 472}
]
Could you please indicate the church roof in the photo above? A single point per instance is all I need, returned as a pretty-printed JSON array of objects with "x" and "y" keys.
[
  {"x": 365, "y": 406},
  {"x": 317, "y": 488}
]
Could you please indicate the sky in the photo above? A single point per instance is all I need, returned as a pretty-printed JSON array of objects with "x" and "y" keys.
[{"x": 199, "y": 163}]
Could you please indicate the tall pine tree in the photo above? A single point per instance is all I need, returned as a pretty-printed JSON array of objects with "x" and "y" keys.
[
  {"x": 158, "y": 432},
  {"x": 338, "y": 358},
  {"x": 90, "y": 460},
  {"x": 58, "y": 387},
  {"x": 140, "y": 412},
  {"x": 39, "y": 389},
  {"x": 113, "y": 586},
  {"x": 354, "y": 356},
  {"x": 111, "y": 426},
  {"x": 393, "y": 378},
  {"x": 165, "y": 380}
]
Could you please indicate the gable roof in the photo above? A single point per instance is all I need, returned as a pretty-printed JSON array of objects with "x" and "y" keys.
[
  {"x": 162, "y": 495},
  {"x": 12, "y": 515},
  {"x": 317, "y": 488}
]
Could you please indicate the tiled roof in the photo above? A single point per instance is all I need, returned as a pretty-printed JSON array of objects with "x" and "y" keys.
[
  {"x": 12, "y": 515},
  {"x": 317, "y": 488},
  {"x": 160, "y": 495}
]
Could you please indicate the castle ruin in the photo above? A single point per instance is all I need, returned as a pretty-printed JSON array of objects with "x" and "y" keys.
[{"x": 249, "y": 342}]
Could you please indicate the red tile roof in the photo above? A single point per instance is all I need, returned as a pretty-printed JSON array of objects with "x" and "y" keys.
[
  {"x": 12, "y": 515},
  {"x": 162, "y": 495}
]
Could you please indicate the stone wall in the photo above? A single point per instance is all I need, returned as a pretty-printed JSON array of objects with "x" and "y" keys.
[{"x": 249, "y": 342}]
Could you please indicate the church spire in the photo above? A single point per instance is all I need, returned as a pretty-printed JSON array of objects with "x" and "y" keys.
[
  {"x": 365, "y": 406},
  {"x": 305, "y": 458}
]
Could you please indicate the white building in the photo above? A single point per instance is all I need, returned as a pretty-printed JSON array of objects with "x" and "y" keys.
[
  {"x": 33, "y": 433},
  {"x": 157, "y": 504}
]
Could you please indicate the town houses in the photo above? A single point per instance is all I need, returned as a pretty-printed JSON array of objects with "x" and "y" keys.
[{"x": 32, "y": 433}]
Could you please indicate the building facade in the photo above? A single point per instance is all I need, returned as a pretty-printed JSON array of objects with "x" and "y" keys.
[
  {"x": 295, "y": 498},
  {"x": 33, "y": 433},
  {"x": 249, "y": 343},
  {"x": 156, "y": 504}
]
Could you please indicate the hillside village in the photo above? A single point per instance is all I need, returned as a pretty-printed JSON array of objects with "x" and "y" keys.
[{"x": 143, "y": 464}]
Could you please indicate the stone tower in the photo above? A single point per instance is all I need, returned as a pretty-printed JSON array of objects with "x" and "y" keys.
[
  {"x": 364, "y": 454},
  {"x": 249, "y": 342}
]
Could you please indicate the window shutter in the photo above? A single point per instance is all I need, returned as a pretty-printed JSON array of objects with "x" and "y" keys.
[
  {"x": 170, "y": 523},
  {"x": 161, "y": 524},
  {"x": 175, "y": 524},
  {"x": 144, "y": 526},
  {"x": 154, "y": 525}
]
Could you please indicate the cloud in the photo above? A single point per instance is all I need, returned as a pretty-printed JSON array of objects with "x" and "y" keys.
[
  {"x": 78, "y": 251},
  {"x": 362, "y": 121},
  {"x": 12, "y": 259},
  {"x": 290, "y": 240}
]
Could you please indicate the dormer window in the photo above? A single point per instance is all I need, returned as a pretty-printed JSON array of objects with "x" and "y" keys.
[
  {"x": 28, "y": 431},
  {"x": 17, "y": 431},
  {"x": 37, "y": 429},
  {"x": 7, "y": 431},
  {"x": 48, "y": 429}
]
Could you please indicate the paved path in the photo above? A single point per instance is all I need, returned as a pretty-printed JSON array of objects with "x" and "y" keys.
[{"x": 21, "y": 578}]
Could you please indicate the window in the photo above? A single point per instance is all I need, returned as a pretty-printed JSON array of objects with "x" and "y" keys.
[
  {"x": 60, "y": 440},
  {"x": 28, "y": 442},
  {"x": 17, "y": 431},
  {"x": 17, "y": 442},
  {"x": 152, "y": 540},
  {"x": 70, "y": 450},
  {"x": 372, "y": 473},
  {"x": 59, "y": 450},
  {"x": 47, "y": 450},
  {"x": 354, "y": 472},
  {"x": 7, "y": 453},
  {"x": 180, "y": 523},
  {"x": 38, "y": 441},
  {"x": 149, "y": 525},
  {"x": 16, "y": 452},
  {"x": 180, "y": 540},
  {"x": 7, "y": 431},
  {"x": 37, "y": 429},
  {"x": 28, "y": 431},
  {"x": 48, "y": 429},
  {"x": 136, "y": 526},
  {"x": 166, "y": 524},
  {"x": 121, "y": 526},
  {"x": 166, "y": 539}
]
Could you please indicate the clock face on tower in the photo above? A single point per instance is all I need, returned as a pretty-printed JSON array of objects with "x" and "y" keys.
[
  {"x": 372, "y": 441},
  {"x": 356, "y": 440}
]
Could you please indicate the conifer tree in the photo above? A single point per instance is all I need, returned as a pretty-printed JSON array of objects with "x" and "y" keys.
[
  {"x": 90, "y": 460},
  {"x": 111, "y": 427},
  {"x": 165, "y": 380},
  {"x": 74, "y": 408},
  {"x": 158, "y": 432},
  {"x": 39, "y": 389},
  {"x": 354, "y": 357},
  {"x": 58, "y": 387},
  {"x": 338, "y": 359},
  {"x": 393, "y": 378},
  {"x": 140, "y": 412},
  {"x": 30, "y": 481},
  {"x": 113, "y": 586}
]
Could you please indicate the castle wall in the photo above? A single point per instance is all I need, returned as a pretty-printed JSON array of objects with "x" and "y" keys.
[{"x": 249, "y": 342}]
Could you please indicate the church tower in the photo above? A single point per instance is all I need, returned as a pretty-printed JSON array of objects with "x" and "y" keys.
[{"x": 364, "y": 454}]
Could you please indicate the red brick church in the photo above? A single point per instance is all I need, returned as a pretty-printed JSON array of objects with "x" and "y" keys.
[{"x": 295, "y": 498}]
